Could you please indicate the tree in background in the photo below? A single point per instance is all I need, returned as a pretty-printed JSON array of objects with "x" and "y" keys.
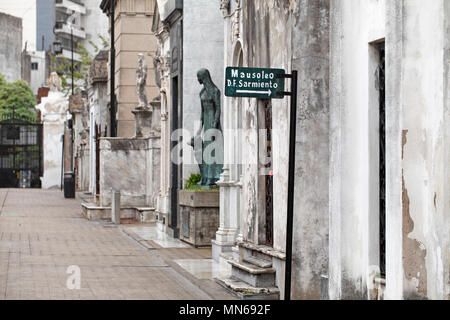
[
  {"x": 63, "y": 67},
  {"x": 18, "y": 95}
]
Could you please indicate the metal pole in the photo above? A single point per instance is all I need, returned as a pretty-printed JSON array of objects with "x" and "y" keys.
[
  {"x": 71, "y": 40},
  {"x": 14, "y": 144},
  {"x": 112, "y": 75},
  {"x": 291, "y": 186},
  {"x": 71, "y": 145},
  {"x": 62, "y": 161}
]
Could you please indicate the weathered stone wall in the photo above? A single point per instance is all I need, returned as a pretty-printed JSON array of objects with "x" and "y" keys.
[
  {"x": 417, "y": 228},
  {"x": 418, "y": 158},
  {"x": 83, "y": 167},
  {"x": 123, "y": 168},
  {"x": 10, "y": 46},
  {"x": 264, "y": 32},
  {"x": 301, "y": 30},
  {"x": 310, "y": 56}
]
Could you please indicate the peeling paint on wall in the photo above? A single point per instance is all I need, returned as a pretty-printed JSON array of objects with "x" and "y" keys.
[{"x": 414, "y": 253}]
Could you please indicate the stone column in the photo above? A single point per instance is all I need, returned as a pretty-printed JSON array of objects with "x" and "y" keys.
[
  {"x": 311, "y": 59},
  {"x": 417, "y": 108},
  {"x": 226, "y": 234}
]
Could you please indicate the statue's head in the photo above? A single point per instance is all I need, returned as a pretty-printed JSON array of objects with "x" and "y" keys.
[
  {"x": 140, "y": 58},
  {"x": 54, "y": 82},
  {"x": 203, "y": 76}
]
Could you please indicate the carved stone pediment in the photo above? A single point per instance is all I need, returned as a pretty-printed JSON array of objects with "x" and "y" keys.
[{"x": 98, "y": 71}]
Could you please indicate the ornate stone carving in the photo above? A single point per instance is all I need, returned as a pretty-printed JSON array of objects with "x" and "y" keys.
[
  {"x": 98, "y": 70},
  {"x": 236, "y": 27},
  {"x": 224, "y": 6},
  {"x": 162, "y": 64},
  {"x": 141, "y": 81}
]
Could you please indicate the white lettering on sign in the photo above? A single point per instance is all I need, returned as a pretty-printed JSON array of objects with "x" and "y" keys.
[
  {"x": 256, "y": 80},
  {"x": 252, "y": 75}
]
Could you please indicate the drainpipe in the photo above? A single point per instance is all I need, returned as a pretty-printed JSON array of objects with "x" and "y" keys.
[{"x": 112, "y": 75}]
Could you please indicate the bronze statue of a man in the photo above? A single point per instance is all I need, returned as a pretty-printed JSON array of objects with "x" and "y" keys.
[{"x": 209, "y": 151}]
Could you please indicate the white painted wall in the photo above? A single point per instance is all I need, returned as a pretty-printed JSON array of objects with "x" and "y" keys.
[
  {"x": 418, "y": 197},
  {"x": 202, "y": 48},
  {"x": 354, "y": 129}
]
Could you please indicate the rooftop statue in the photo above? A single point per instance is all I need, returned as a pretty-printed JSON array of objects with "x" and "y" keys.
[
  {"x": 54, "y": 82},
  {"x": 141, "y": 80}
]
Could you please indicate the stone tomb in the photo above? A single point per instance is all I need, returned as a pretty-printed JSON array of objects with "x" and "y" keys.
[{"x": 199, "y": 211}]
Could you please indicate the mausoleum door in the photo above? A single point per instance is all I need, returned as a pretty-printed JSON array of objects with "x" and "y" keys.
[{"x": 268, "y": 177}]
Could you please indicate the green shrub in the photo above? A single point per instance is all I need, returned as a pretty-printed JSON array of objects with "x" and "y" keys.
[{"x": 191, "y": 183}]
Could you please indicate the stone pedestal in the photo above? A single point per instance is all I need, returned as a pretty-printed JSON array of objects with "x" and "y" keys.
[
  {"x": 199, "y": 212},
  {"x": 230, "y": 203},
  {"x": 54, "y": 113},
  {"x": 143, "y": 123}
]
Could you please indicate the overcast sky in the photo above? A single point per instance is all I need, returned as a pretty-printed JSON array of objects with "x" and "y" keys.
[{"x": 25, "y": 9}]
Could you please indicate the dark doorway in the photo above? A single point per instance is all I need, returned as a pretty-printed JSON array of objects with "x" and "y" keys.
[
  {"x": 97, "y": 160},
  {"x": 174, "y": 170},
  {"x": 269, "y": 176},
  {"x": 382, "y": 137}
]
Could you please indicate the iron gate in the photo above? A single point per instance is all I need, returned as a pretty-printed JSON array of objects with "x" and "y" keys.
[{"x": 20, "y": 152}]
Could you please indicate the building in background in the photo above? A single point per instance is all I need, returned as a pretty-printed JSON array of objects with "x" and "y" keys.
[
  {"x": 25, "y": 10},
  {"x": 45, "y": 21},
  {"x": 10, "y": 47},
  {"x": 39, "y": 70},
  {"x": 95, "y": 24},
  {"x": 133, "y": 35},
  {"x": 85, "y": 21},
  {"x": 68, "y": 28}
]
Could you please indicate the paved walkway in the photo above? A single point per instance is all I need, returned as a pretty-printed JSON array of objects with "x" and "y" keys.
[{"x": 42, "y": 234}]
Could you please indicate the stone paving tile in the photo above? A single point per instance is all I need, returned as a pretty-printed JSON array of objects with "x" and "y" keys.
[
  {"x": 42, "y": 234},
  {"x": 193, "y": 263}
]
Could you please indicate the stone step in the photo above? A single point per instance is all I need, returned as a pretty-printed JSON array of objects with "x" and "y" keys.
[
  {"x": 258, "y": 262},
  {"x": 146, "y": 214},
  {"x": 226, "y": 255},
  {"x": 260, "y": 280},
  {"x": 251, "y": 268},
  {"x": 253, "y": 275},
  {"x": 247, "y": 292},
  {"x": 94, "y": 212}
]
